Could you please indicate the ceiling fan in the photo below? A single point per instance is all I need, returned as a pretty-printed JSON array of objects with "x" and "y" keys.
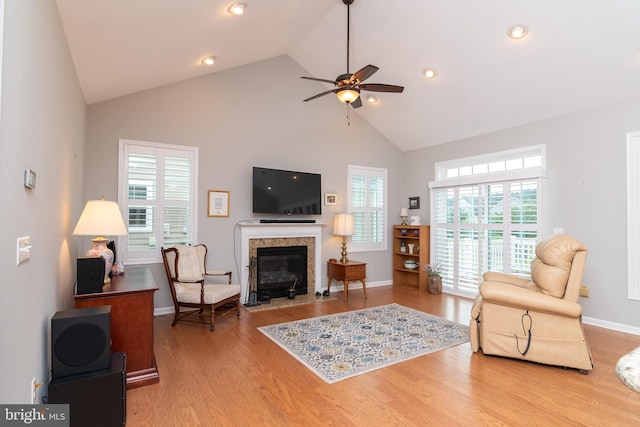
[{"x": 348, "y": 86}]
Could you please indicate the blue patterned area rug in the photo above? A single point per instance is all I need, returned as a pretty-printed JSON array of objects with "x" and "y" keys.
[{"x": 340, "y": 346}]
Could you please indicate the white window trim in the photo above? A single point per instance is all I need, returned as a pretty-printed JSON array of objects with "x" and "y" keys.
[
  {"x": 368, "y": 246},
  {"x": 123, "y": 193},
  {"x": 526, "y": 173},
  {"x": 633, "y": 215}
]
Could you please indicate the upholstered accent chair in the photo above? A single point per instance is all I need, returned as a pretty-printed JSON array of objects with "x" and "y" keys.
[
  {"x": 187, "y": 272},
  {"x": 537, "y": 319}
]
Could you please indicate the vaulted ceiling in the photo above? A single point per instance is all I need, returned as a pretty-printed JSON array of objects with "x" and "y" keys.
[{"x": 578, "y": 54}]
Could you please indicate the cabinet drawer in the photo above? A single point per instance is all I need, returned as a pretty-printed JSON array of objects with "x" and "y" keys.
[{"x": 356, "y": 272}]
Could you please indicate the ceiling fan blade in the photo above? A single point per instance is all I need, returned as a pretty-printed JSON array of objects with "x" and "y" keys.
[
  {"x": 357, "y": 103},
  {"x": 319, "y": 95},
  {"x": 377, "y": 87},
  {"x": 364, "y": 73},
  {"x": 319, "y": 80}
]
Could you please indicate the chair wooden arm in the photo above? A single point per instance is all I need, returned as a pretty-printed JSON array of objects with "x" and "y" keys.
[{"x": 219, "y": 273}]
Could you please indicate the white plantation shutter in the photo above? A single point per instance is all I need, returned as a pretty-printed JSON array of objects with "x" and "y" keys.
[
  {"x": 492, "y": 224},
  {"x": 367, "y": 201},
  {"x": 157, "y": 193}
]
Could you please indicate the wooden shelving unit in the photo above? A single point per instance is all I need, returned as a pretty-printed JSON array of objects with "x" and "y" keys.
[{"x": 417, "y": 235}]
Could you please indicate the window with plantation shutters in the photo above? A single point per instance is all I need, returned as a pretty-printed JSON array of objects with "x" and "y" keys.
[
  {"x": 368, "y": 202},
  {"x": 485, "y": 216},
  {"x": 157, "y": 193}
]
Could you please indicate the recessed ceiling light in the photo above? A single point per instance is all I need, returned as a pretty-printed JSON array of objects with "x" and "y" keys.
[
  {"x": 209, "y": 60},
  {"x": 430, "y": 73},
  {"x": 517, "y": 31},
  {"x": 237, "y": 8},
  {"x": 372, "y": 99}
]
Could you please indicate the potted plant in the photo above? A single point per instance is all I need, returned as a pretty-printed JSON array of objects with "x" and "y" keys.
[{"x": 434, "y": 280}]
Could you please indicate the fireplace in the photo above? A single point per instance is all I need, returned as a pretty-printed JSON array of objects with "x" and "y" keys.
[
  {"x": 255, "y": 235},
  {"x": 281, "y": 268}
]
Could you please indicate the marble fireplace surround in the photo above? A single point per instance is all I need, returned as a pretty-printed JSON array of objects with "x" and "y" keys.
[{"x": 255, "y": 234}]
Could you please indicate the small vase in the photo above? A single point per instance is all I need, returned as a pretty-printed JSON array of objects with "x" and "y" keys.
[{"x": 435, "y": 284}]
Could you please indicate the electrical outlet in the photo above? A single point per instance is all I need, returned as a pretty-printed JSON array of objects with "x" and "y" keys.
[
  {"x": 584, "y": 291},
  {"x": 34, "y": 387}
]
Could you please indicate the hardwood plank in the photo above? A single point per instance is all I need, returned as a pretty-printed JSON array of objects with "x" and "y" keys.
[{"x": 236, "y": 376}]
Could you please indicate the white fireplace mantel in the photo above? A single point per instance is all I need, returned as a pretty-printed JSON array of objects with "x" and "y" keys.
[{"x": 257, "y": 230}]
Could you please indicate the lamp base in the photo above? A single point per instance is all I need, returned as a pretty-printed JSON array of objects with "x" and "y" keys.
[
  {"x": 100, "y": 249},
  {"x": 344, "y": 259}
]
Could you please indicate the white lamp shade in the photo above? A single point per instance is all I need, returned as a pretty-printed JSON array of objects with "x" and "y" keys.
[
  {"x": 403, "y": 212},
  {"x": 343, "y": 224},
  {"x": 100, "y": 218}
]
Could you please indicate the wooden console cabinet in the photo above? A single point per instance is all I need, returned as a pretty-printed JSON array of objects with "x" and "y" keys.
[
  {"x": 131, "y": 299},
  {"x": 417, "y": 235}
]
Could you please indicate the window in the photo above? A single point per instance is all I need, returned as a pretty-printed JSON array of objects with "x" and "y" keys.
[
  {"x": 368, "y": 202},
  {"x": 485, "y": 216},
  {"x": 157, "y": 191}
]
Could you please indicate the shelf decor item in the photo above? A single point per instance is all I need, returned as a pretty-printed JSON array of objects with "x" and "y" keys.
[{"x": 410, "y": 264}]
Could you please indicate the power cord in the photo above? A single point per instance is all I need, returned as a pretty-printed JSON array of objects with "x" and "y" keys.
[{"x": 526, "y": 332}]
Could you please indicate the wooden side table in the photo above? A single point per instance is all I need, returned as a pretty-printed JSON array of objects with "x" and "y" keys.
[
  {"x": 131, "y": 299},
  {"x": 349, "y": 272}
]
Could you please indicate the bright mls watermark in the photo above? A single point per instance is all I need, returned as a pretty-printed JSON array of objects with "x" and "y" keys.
[{"x": 37, "y": 415}]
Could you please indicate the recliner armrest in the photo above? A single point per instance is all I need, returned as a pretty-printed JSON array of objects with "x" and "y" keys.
[
  {"x": 525, "y": 299},
  {"x": 509, "y": 279}
]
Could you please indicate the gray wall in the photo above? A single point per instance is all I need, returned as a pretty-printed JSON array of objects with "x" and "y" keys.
[
  {"x": 585, "y": 193},
  {"x": 249, "y": 116},
  {"x": 42, "y": 128}
]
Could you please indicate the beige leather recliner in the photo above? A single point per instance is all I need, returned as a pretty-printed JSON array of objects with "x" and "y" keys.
[{"x": 539, "y": 320}]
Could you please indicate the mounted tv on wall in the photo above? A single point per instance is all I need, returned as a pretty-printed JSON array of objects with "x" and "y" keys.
[{"x": 285, "y": 192}]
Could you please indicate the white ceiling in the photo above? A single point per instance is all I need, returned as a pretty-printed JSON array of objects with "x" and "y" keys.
[{"x": 579, "y": 54}]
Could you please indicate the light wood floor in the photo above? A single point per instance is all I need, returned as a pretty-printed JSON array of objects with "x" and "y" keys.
[{"x": 236, "y": 376}]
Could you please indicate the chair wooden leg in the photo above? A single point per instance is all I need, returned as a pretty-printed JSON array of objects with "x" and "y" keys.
[
  {"x": 213, "y": 319},
  {"x": 175, "y": 315}
]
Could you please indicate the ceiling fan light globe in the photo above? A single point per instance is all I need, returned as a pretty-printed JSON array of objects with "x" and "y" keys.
[{"x": 348, "y": 95}]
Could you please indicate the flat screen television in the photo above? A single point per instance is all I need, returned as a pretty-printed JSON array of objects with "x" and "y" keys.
[{"x": 286, "y": 192}]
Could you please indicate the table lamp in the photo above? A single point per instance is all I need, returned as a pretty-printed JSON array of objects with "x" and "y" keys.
[
  {"x": 404, "y": 215},
  {"x": 101, "y": 218},
  {"x": 343, "y": 226}
]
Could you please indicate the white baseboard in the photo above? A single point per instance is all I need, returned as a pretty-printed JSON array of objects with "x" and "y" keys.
[{"x": 611, "y": 325}]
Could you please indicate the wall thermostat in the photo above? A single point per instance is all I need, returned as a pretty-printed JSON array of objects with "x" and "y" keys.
[{"x": 29, "y": 178}]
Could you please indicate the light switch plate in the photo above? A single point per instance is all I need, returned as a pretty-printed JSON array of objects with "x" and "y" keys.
[{"x": 23, "y": 249}]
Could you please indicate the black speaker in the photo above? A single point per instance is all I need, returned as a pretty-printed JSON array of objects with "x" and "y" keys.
[
  {"x": 80, "y": 341},
  {"x": 90, "y": 274},
  {"x": 97, "y": 398}
]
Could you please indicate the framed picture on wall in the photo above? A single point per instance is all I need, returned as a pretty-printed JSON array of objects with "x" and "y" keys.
[
  {"x": 414, "y": 202},
  {"x": 330, "y": 199},
  {"x": 218, "y": 203}
]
